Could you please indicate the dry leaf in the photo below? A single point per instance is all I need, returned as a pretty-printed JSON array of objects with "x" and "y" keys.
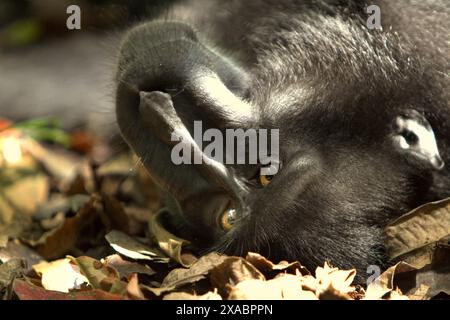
[
  {"x": 61, "y": 164},
  {"x": 138, "y": 219},
  {"x": 384, "y": 284},
  {"x": 9, "y": 271},
  {"x": 396, "y": 295},
  {"x": 82, "y": 141},
  {"x": 232, "y": 271},
  {"x": 16, "y": 250},
  {"x": 156, "y": 292},
  {"x": 333, "y": 283},
  {"x": 61, "y": 204},
  {"x": 28, "y": 291},
  {"x": 133, "y": 249},
  {"x": 134, "y": 292},
  {"x": 198, "y": 271},
  {"x": 23, "y": 196},
  {"x": 340, "y": 279},
  {"x": 435, "y": 275},
  {"x": 421, "y": 293},
  {"x": 187, "y": 296},
  {"x": 127, "y": 268},
  {"x": 419, "y": 228},
  {"x": 3, "y": 241},
  {"x": 57, "y": 242},
  {"x": 99, "y": 275},
  {"x": 121, "y": 165},
  {"x": 139, "y": 214},
  {"x": 266, "y": 266},
  {"x": 60, "y": 275},
  {"x": 286, "y": 287},
  {"x": 309, "y": 283},
  {"x": 116, "y": 213},
  {"x": 169, "y": 243}
]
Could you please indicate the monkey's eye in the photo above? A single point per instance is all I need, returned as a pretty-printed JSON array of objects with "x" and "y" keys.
[
  {"x": 228, "y": 219},
  {"x": 265, "y": 180}
]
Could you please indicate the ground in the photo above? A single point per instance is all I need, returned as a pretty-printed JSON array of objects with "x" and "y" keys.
[{"x": 80, "y": 220}]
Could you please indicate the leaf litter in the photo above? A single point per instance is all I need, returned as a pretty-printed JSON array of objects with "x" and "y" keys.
[{"x": 74, "y": 226}]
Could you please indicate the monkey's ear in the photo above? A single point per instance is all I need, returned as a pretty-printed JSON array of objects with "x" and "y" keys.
[{"x": 414, "y": 136}]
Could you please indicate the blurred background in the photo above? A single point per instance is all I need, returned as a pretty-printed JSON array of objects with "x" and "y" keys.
[
  {"x": 47, "y": 70},
  {"x": 57, "y": 124}
]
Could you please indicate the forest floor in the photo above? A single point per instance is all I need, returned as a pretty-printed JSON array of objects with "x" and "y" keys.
[{"x": 79, "y": 220}]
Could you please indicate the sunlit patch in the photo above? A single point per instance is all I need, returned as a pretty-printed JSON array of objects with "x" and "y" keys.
[{"x": 11, "y": 149}]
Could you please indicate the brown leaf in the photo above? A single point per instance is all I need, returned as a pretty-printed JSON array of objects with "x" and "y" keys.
[
  {"x": 133, "y": 249},
  {"x": 57, "y": 242},
  {"x": 27, "y": 291},
  {"x": 420, "y": 293},
  {"x": 419, "y": 228},
  {"x": 437, "y": 283},
  {"x": 61, "y": 204},
  {"x": 134, "y": 292},
  {"x": 232, "y": 271},
  {"x": 116, "y": 213},
  {"x": 62, "y": 165},
  {"x": 286, "y": 286},
  {"x": 99, "y": 275},
  {"x": 333, "y": 283},
  {"x": 81, "y": 184},
  {"x": 81, "y": 141},
  {"x": 436, "y": 276},
  {"x": 151, "y": 293},
  {"x": 187, "y": 296},
  {"x": 139, "y": 214},
  {"x": 121, "y": 165},
  {"x": 424, "y": 256},
  {"x": 3, "y": 241},
  {"x": 384, "y": 284},
  {"x": 54, "y": 222},
  {"x": 396, "y": 295},
  {"x": 16, "y": 250},
  {"x": 266, "y": 266},
  {"x": 331, "y": 293},
  {"x": 9, "y": 271},
  {"x": 22, "y": 185},
  {"x": 110, "y": 185},
  {"x": 20, "y": 200},
  {"x": 198, "y": 271},
  {"x": 127, "y": 268},
  {"x": 138, "y": 219},
  {"x": 169, "y": 243}
]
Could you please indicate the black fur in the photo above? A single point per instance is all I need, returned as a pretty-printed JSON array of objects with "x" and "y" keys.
[{"x": 332, "y": 86}]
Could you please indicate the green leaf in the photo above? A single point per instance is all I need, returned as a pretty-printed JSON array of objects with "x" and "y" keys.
[
  {"x": 22, "y": 32},
  {"x": 44, "y": 129}
]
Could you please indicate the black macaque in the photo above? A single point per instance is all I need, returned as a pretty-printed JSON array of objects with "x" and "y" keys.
[{"x": 363, "y": 117}]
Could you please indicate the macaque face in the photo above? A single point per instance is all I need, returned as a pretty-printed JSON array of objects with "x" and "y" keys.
[
  {"x": 350, "y": 156},
  {"x": 335, "y": 190}
]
